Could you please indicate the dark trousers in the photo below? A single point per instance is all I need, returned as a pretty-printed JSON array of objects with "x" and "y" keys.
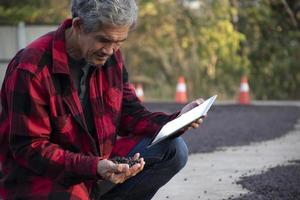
[{"x": 163, "y": 161}]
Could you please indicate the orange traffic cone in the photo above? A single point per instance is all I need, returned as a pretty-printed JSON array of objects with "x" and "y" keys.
[
  {"x": 139, "y": 92},
  {"x": 244, "y": 97},
  {"x": 181, "y": 96}
]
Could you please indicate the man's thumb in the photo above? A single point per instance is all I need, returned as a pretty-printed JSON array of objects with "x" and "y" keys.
[{"x": 121, "y": 168}]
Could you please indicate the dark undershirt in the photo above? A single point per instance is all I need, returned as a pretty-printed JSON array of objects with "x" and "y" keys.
[{"x": 81, "y": 73}]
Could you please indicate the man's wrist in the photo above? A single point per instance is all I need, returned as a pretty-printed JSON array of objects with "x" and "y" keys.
[{"x": 98, "y": 168}]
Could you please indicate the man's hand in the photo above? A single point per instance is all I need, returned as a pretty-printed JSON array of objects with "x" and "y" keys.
[
  {"x": 190, "y": 106},
  {"x": 118, "y": 173}
]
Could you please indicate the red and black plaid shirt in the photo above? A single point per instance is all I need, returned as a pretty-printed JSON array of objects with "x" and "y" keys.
[{"x": 46, "y": 151}]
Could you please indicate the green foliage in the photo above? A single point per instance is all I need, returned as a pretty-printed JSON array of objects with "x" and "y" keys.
[
  {"x": 173, "y": 40},
  {"x": 214, "y": 45},
  {"x": 211, "y": 46},
  {"x": 273, "y": 46},
  {"x": 33, "y": 11}
]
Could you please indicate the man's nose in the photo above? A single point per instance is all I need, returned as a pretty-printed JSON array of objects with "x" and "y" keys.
[{"x": 110, "y": 48}]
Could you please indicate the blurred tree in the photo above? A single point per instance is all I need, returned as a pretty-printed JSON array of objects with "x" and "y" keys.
[
  {"x": 33, "y": 11},
  {"x": 273, "y": 45},
  {"x": 211, "y": 42},
  {"x": 173, "y": 40}
]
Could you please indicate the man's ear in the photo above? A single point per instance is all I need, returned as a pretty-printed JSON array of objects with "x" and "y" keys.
[{"x": 77, "y": 25}]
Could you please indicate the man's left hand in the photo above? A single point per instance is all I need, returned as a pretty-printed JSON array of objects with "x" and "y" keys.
[{"x": 190, "y": 106}]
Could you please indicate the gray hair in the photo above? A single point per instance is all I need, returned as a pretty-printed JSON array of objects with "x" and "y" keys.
[{"x": 94, "y": 13}]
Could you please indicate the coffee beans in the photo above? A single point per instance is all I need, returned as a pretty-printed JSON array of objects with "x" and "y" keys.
[{"x": 123, "y": 160}]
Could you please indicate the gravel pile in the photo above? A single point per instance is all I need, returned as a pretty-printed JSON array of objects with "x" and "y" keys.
[{"x": 278, "y": 183}]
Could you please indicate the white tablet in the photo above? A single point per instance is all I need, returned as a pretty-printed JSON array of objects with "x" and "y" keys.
[{"x": 172, "y": 127}]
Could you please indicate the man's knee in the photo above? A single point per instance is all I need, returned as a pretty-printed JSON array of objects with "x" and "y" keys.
[
  {"x": 180, "y": 155},
  {"x": 171, "y": 154}
]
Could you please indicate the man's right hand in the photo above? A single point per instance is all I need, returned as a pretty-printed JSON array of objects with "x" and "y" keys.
[{"x": 118, "y": 173}]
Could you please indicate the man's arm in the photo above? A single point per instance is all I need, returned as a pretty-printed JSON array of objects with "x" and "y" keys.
[{"x": 29, "y": 136}]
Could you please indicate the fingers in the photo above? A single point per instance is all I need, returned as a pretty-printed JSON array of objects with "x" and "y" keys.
[
  {"x": 136, "y": 168},
  {"x": 118, "y": 173},
  {"x": 117, "y": 178},
  {"x": 122, "y": 172},
  {"x": 115, "y": 173},
  {"x": 199, "y": 101},
  {"x": 142, "y": 163},
  {"x": 136, "y": 156},
  {"x": 196, "y": 102},
  {"x": 197, "y": 123},
  {"x": 120, "y": 168},
  {"x": 191, "y": 105},
  {"x": 194, "y": 125}
]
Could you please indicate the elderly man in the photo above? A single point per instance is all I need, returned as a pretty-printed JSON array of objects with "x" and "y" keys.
[{"x": 68, "y": 108}]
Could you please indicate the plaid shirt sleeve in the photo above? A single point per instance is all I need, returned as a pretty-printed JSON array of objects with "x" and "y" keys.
[
  {"x": 136, "y": 119},
  {"x": 29, "y": 136}
]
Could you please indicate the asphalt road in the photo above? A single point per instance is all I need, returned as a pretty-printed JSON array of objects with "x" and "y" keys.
[{"x": 236, "y": 125}]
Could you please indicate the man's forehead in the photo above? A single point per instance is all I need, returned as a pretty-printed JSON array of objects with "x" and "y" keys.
[
  {"x": 113, "y": 32},
  {"x": 113, "y": 29}
]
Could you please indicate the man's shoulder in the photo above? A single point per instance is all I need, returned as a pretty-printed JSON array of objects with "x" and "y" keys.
[{"x": 36, "y": 55}]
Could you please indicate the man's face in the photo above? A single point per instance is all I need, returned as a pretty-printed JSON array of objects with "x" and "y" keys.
[{"x": 97, "y": 47}]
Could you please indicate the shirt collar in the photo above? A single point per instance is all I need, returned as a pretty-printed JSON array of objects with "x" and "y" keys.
[{"x": 59, "y": 54}]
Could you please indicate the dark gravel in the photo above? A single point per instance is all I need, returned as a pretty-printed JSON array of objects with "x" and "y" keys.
[
  {"x": 232, "y": 125},
  {"x": 278, "y": 183}
]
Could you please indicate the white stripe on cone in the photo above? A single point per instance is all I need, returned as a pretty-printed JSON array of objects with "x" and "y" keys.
[
  {"x": 244, "y": 87},
  {"x": 181, "y": 87},
  {"x": 139, "y": 92}
]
